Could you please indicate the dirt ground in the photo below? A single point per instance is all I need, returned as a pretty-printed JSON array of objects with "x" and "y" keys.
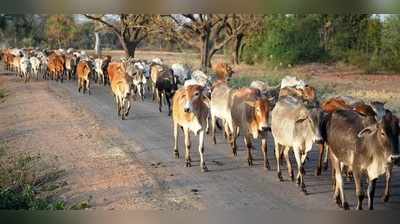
[{"x": 94, "y": 165}]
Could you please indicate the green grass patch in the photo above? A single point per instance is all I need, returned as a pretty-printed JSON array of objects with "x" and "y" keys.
[
  {"x": 23, "y": 184},
  {"x": 244, "y": 80}
]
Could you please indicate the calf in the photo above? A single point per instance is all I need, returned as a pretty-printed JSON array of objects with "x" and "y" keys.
[
  {"x": 293, "y": 125},
  {"x": 364, "y": 149},
  {"x": 83, "y": 71},
  {"x": 120, "y": 88},
  {"x": 250, "y": 115},
  {"x": 166, "y": 86},
  {"x": 190, "y": 111}
]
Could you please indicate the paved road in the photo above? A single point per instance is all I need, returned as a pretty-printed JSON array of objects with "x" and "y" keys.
[{"x": 230, "y": 182}]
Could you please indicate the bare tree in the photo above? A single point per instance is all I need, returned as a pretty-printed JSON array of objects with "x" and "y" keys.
[
  {"x": 205, "y": 32},
  {"x": 239, "y": 26},
  {"x": 130, "y": 29}
]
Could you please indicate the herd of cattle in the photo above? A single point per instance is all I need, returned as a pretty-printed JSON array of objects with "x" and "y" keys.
[{"x": 359, "y": 138}]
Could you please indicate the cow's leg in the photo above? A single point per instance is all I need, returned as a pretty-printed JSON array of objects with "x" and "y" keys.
[
  {"x": 201, "y": 151},
  {"x": 88, "y": 86},
  {"x": 300, "y": 173},
  {"x": 371, "y": 193},
  {"x": 359, "y": 191},
  {"x": 278, "y": 160},
  {"x": 264, "y": 148},
  {"x": 176, "y": 152},
  {"x": 326, "y": 154},
  {"x": 168, "y": 98},
  {"x": 79, "y": 85},
  {"x": 127, "y": 105},
  {"x": 213, "y": 120},
  {"x": 248, "y": 143},
  {"x": 388, "y": 179},
  {"x": 288, "y": 162},
  {"x": 160, "y": 94},
  {"x": 320, "y": 158},
  {"x": 339, "y": 193},
  {"x": 118, "y": 105},
  {"x": 187, "y": 147},
  {"x": 232, "y": 140}
]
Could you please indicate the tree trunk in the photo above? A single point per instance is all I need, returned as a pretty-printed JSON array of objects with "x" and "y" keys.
[
  {"x": 128, "y": 46},
  {"x": 237, "y": 43},
  {"x": 205, "y": 53},
  {"x": 97, "y": 47}
]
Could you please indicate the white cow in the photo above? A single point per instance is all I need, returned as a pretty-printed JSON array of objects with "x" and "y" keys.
[
  {"x": 291, "y": 81},
  {"x": 25, "y": 68},
  {"x": 182, "y": 72},
  {"x": 36, "y": 66},
  {"x": 294, "y": 126}
]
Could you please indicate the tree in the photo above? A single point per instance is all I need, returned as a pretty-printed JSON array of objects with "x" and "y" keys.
[
  {"x": 205, "y": 32},
  {"x": 239, "y": 26},
  {"x": 61, "y": 30},
  {"x": 131, "y": 29}
]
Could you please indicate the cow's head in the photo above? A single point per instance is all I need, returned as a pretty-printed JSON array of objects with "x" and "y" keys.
[
  {"x": 193, "y": 95},
  {"x": 392, "y": 126},
  {"x": 379, "y": 109},
  {"x": 314, "y": 118},
  {"x": 223, "y": 71},
  {"x": 260, "y": 108}
]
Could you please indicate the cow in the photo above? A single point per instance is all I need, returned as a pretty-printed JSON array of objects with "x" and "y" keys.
[
  {"x": 250, "y": 114},
  {"x": 56, "y": 66},
  {"x": 155, "y": 72},
  {"x": 293, "y": 82},
  {"x": 294, "y": 125},
  {"x": 120, "y": 88},
  {"x": 182, "y": 72},
  {"x": 166, "y": 86},
  {"x": 71, "y": 61},
  {"x": 364, "y": 149},
  {"x": 36, "y": 66},
  {"x": 220, "y": 107},
  {"x": 271, "y": 93},
  {"x": 25, "y": 68},
  {"x": 223, "y": 71},
  {"x": 135, "y": 78},
  {"x": 190, "y": 112},
  {"x": 307, "y": 94},
  {"x": 371, "y": 112},
  {"x": 83, "y": 71}
]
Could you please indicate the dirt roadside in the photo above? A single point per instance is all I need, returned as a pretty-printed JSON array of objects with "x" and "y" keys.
[{"x": 96, "y": 165}]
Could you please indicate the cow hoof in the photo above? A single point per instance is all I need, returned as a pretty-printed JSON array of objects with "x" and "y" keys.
[
  {"x": 188, "y": 164},
  {"x": 267, "y": 167},
  {"x": 280, "y": 178},
  {"x": 176, "y": 155},
  {"x": 346, "y": 206},
  {"x": 304, "y": 190},
  {"x": 385, "y": 198},
  {"x": 318, "y": 172},
  {"x": 250, "y": 162},
  {"x": 204, "y": 169}
]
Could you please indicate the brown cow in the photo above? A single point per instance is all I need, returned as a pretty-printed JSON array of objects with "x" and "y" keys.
[
  {"x": 120, "y": 87},
  {"x": 56, "y": 66},
  {"x": 308, "y": 94},
  {"x": 190, "y": 111},
  {"x": 83, "y": 71},
  {"x": 223, "y": 71},
  {"x": 250, "y": 115}
]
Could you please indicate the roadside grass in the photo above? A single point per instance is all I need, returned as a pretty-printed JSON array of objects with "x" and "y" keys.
[
  {"x": 245, "y": 80},
  {"x": 23, "y": 186},
  {"x": 3, "y": 94}
]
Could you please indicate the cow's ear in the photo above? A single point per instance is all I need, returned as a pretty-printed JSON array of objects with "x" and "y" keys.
[
  {"x": 367, "y": 131},
  {"x": 250, "y": 103}
]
